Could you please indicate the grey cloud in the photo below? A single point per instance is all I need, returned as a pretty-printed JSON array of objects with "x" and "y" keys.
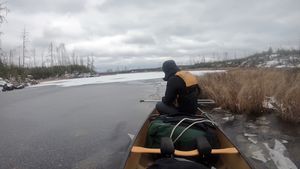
[
  {"x": 138, "y": 29},
  {"x": 53, "y": 35},
  {"x": 41, "y": 42},
  {"x": 140, "y": 40},
  {"x": 47, "y": 6},
  {"x": 112, "y": 4}
]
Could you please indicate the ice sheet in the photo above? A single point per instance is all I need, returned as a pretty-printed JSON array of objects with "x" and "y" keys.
[{"x": 114, "y": 78}]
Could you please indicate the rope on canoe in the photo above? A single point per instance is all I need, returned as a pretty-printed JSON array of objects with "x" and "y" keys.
[{"x": 197, "y": 121}]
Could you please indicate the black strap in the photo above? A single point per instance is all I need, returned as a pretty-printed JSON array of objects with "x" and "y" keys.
[
  {"x": 166, "y": 147},
  {"x": 203, "y": 146}
]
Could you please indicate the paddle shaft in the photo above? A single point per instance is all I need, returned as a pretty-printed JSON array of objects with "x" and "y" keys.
[
  {"x": 137, "y": 149},
  {"x": 199, "y": 101}
]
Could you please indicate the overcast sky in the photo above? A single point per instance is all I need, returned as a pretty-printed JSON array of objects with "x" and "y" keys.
[{"x": 139, "y": 33}]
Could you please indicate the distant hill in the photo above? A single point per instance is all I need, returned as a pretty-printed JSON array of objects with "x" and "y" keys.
[{"x": 277, "y": 59}]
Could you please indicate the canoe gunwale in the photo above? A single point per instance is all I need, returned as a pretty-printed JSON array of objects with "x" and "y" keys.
[{"x": 128, "y": 152}]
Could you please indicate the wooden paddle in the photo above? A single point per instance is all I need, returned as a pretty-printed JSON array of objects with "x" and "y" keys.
[{"x": 137, "y": 149}]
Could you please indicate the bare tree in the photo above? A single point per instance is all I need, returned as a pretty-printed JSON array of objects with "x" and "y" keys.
[
  {"x": 3, "y": 12},
  {"x": 88, "y": 61},
  {"x": 62, "y": 54},
  {"x": 225, "y": 55},
  {"x": 34, "y": 61},
  {"x": 92, "y": 63},
  {"x": 24, "y": 44},
  {"x": 203, "y": 59},
  {"x": 11, "y": 56},
  {"x": 81, "y": 61},
  {"x": 43, "y": 59},
  {"x": 73, "y": 57},
  {"x": 76, "y": 59},
  {"x": 51, "y": 54}
]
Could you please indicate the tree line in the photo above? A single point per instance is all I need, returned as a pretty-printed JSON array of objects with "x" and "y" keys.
[{"x": 12, "y": 71}]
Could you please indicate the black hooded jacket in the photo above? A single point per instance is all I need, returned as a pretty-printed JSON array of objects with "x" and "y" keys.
[{"x": 176, "y": 90}]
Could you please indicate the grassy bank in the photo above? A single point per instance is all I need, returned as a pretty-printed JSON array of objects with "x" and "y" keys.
[{"x": 252, "y": 90}]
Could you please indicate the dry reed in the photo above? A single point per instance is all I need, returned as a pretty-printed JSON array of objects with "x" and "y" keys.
[{"x": 247, "y": 91}]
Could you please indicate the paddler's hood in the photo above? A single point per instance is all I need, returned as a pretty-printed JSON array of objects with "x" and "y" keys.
[{"x": 169, "y": 68}]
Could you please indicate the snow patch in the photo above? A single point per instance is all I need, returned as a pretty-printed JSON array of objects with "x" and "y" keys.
[
  {"x": 271, "y": 63},
  {"x": 269, "y": 103}
]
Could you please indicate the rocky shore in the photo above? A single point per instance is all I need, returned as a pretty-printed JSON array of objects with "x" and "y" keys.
[{"x": 16, "y": 83}]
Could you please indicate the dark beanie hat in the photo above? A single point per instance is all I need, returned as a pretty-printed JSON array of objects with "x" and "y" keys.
[{"x": 169, "y": 68}]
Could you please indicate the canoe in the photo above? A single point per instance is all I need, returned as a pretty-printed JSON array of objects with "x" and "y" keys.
[{"x": 230, "y": 157}]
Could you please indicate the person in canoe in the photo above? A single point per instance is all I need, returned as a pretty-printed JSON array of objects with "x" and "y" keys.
[
  {"x": 181, "y": 92},
  {"x": 177, "y": 127}
]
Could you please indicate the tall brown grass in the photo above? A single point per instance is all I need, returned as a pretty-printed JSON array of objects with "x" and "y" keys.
[{"x": 246, "y": 90}]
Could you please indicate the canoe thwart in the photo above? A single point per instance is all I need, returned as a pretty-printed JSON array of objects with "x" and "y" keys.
[{"x": 138, "y": 149}]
